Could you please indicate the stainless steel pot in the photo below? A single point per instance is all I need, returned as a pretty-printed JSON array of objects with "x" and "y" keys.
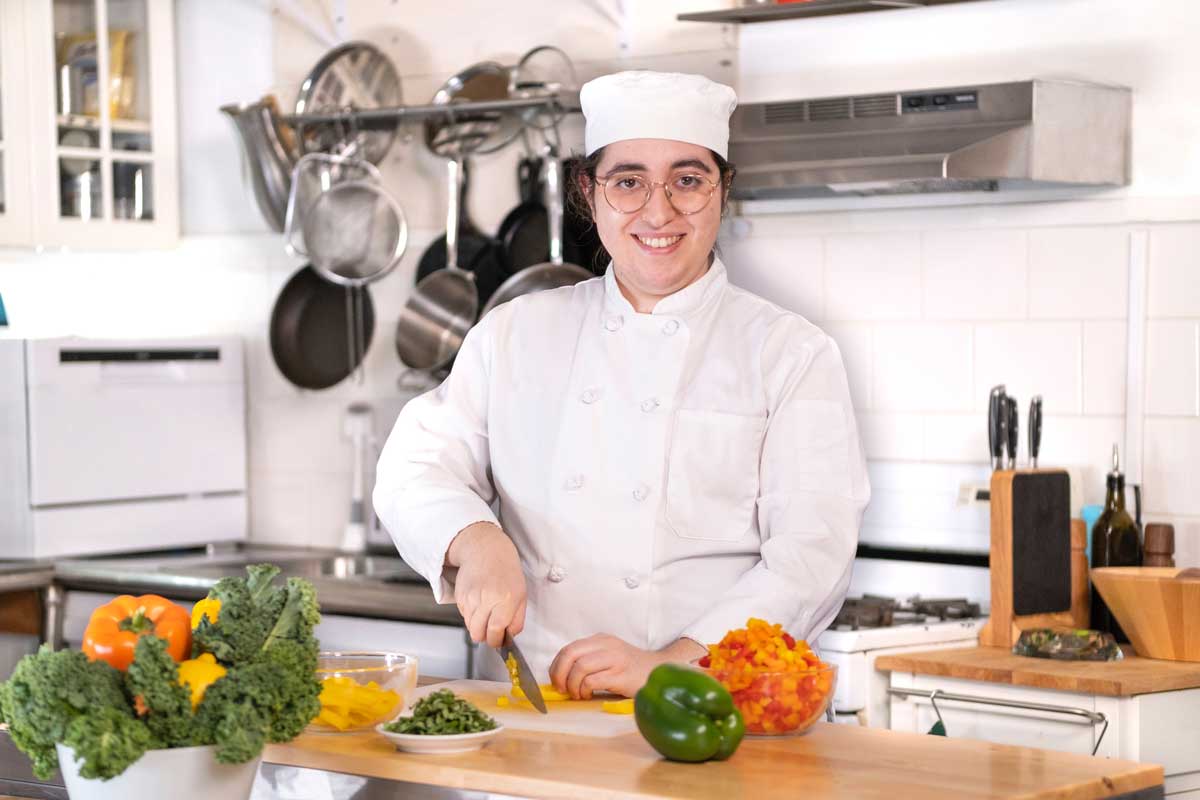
[{"x": 444, "y": 305}]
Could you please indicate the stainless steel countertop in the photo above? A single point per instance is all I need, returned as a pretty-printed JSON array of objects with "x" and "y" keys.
[{"x": 365, "y": 585}]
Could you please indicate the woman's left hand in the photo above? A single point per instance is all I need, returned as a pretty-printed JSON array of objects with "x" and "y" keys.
[{"x": 604, "y": 663}]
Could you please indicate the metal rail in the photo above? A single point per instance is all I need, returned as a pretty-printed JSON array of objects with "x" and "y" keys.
[
  {"x": 933, "y": 695},
  {"x": 382, "y": 118}
]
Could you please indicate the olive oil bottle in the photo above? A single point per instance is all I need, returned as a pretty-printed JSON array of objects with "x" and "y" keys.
[{"x": 1116, "y": 542}]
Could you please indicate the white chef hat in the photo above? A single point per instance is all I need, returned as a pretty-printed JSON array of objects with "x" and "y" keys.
[{"x": 639, "y": 104}]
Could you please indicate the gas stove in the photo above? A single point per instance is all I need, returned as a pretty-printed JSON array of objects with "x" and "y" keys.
[
  {"x": 872, "y": 611},
  {"x": 871, "y": 626}
]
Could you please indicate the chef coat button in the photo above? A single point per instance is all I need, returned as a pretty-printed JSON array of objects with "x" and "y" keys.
[
  {"x": 575, "y": 482},
  {"x": 556, "y": 574},
  {"x": 641, "y": 493},
  {"x": 631, "y": 582},
  {"x": 613, "y": 323},
  {"x": 671, "y": 327},
  {"x": 649, "y": 404},
  {"x": 590, "y": 396}
]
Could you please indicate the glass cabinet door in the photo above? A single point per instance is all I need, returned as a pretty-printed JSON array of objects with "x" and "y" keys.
[
  {"x": 14, "y": 128},
  {"x": 104, "y": 145}
]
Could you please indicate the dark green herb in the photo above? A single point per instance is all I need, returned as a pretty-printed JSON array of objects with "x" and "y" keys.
[{"x": 441, "y": 714}]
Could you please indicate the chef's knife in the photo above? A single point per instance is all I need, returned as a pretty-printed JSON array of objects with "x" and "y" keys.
[
  {"x": 1035, "y": 429},
  {"x": 996, "y": 426},
  {"x": 533, "y": 692},
  {"x": 1012, "y": 432}
]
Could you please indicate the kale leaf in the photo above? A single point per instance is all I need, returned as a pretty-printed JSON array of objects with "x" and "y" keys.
[
  {"x": 107, "y": 741},
  {"x": 47, "y": 692},
  {"x": 154, "y": 677}
]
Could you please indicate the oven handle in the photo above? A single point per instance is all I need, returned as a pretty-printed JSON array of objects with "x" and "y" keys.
[{"x": 1093, "y": 717}]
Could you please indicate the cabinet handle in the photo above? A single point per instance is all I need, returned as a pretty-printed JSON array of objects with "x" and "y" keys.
[{"x": 1093, "y": 717}]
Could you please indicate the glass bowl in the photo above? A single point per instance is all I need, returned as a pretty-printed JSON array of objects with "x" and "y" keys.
[
  {"x": 361, "y": 689},
  {"x": 779, "y": 703}
]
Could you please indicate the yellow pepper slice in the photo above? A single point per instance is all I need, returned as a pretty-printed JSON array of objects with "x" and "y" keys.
[
  {"x": 208, "y": 607},
  {"x": 198, "y": 674},
  {"x": 617, "y": 706}
]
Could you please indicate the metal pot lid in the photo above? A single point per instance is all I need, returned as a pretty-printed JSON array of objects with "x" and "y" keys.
[
  {"x": 478, "y": 131},
  {"x": 544, "y": 71},
  {"x": 357, "y": 76}
]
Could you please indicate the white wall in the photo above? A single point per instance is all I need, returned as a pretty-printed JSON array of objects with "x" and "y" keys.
[{"x": 902, "y": 290}]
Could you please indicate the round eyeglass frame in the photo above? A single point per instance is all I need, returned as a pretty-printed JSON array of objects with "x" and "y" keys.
[{"x": 650, "y": 185}]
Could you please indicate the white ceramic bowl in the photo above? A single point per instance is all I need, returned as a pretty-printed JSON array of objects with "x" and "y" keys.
[
  {"x": 181, "y": 773},
  {"x": 439, "y": 743}
]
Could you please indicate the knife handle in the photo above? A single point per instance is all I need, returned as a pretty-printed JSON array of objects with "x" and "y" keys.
[
  {"x": 1012, "y": 433},
  {"x": 997, "y": 419},
  {"x": 1035, "y": 429}
]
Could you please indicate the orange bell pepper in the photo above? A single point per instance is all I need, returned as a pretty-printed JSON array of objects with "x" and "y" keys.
[{"x": 114, "y": 628}]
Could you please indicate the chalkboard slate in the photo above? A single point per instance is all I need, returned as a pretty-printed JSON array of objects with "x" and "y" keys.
[{"x": 1041, "y": 543}]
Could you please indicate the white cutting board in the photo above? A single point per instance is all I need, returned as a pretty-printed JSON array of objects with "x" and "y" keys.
[{"x": 579, "y": 717}]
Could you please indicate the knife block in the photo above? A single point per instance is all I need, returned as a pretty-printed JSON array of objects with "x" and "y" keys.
[{"x": 1034, "y": 580}]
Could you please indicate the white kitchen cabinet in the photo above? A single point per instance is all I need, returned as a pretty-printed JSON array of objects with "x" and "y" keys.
[
  {"x": 1161, "y": 728},
  {"x": 88, "y": 163}
]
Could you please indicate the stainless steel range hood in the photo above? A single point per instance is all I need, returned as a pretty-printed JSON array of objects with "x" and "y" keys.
[{"x": 1022, "y": 135}]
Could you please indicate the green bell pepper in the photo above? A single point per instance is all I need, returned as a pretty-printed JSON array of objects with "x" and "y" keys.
[{"x": 687, "y": 715}]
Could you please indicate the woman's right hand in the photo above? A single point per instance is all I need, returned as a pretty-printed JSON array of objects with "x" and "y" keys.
[{"x": 490, "y": 587}]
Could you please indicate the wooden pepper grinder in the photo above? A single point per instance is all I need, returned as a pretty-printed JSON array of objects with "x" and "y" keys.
[{"x": 1159, "y": 550}]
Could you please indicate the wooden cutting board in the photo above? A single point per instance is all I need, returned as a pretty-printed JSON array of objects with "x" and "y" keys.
[{"x": 578, "y": 717}]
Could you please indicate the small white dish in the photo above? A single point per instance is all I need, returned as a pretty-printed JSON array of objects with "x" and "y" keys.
[{"x": 439, "y": 743}]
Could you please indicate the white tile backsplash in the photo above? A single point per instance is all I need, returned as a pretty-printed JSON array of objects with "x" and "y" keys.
[
  {"x": 960, "y": 438},
  {"x": 975, "y": 275},
  {"x": 1079, "y": 273},
  {"x": 1030, "y": 358},
  {"x": 921, "y": 367},
  {"x": 787, "y": 271},
  {"x": 1083, "y": 444},
  {"x": 1172, "y": 368},
  {"x": 890, "y": 436},
  {"x": 1174, "y": 271},
  {"x": 873, "y": 276},
  {"x": 1187, "y": 539},
  {"x": 1105, "y": 355},
  {"x": 1171, "y": 479}
]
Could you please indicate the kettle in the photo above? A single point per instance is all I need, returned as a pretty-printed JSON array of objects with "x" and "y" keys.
[{"x": 270, "y": 154}]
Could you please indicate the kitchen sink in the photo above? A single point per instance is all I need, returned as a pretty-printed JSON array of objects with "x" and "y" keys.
[{"x": 360, "y": 567}]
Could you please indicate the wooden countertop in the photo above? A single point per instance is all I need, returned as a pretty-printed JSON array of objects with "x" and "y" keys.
[
  {"x": 1125, "y": 678},
  {"x": 830, "y": 761}
]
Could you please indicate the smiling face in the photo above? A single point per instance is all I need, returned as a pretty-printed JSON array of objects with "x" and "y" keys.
[{"x": 656, "y": 250}]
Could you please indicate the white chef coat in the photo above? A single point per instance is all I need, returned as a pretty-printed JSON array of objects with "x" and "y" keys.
[{"x": 661, "y": 475}]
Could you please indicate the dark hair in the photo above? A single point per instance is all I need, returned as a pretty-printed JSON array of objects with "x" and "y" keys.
[{"x": 581, "y": 169}]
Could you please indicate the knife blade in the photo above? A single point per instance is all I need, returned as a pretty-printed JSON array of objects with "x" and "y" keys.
[
  {"x": 996, "y": 426},
  {"x": 1035, "y": 429},
  {"x": 525, "y": 679},
  {"x": 1013, "y": 432}
]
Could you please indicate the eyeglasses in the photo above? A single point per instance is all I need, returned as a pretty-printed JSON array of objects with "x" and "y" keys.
[{"x": 627, "y": 193}]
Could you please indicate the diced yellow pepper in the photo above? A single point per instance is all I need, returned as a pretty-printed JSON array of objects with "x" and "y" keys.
[{"x": 617, "y": 706}]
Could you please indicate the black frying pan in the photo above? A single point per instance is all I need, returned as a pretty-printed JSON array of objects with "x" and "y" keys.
[
  {"x": 523, "y": 235},
  {"x": 477, "y": 252},
  {"x": 309, "y": 330}
]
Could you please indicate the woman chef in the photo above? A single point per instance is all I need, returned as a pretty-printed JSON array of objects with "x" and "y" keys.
[{"x": 668, "y": 455}]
